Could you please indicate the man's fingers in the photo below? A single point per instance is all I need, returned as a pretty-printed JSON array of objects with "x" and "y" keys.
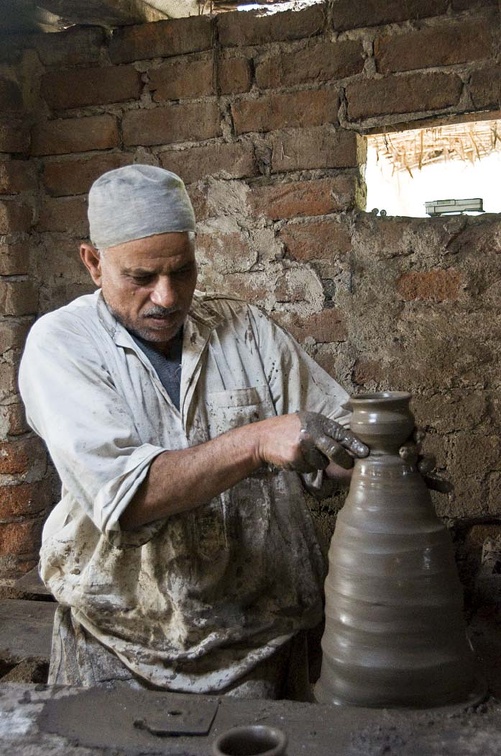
[
  {"x": 330, "y": 439},
  {"x": 312, "y": 456},
  {"x": 427, "y": 464},
  {"x": 419, "y": 436},
  {"x": 334, "y": 451},
  {"x": 436, "y": 483},
  {"x": 345, "y": 437}
]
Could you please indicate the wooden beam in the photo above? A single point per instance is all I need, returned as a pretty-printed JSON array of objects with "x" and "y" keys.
[{"x": 108, "y": 13}]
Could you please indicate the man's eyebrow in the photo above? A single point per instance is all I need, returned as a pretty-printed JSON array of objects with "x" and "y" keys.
[
  {"x": 128, "y": 270},
  {"x": 138, "y": 271}
]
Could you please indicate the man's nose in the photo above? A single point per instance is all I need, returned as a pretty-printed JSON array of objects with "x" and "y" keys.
[{"x": 163, "y": 293}]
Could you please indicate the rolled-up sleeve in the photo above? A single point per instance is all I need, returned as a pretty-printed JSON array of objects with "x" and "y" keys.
[{"x": 87, "y": 425}]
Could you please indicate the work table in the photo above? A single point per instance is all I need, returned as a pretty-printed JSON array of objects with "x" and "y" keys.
[{"x": 37, "y": 720}]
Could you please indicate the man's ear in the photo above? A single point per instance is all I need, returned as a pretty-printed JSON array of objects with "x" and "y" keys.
[{"x": 92, "y": 261}]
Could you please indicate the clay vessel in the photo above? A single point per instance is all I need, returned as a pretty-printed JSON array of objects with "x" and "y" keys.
[
  {"x": 251, "y": 740},
  {"x": 395, "y": 634}
]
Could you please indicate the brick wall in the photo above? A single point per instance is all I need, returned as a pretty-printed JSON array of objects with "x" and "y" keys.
[
  {"x": 265, "y": 117},
  {"x": 23, "y": 497}
]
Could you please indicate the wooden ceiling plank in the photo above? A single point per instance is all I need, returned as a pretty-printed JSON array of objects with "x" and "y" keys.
[{"x": 103, "y": 12}]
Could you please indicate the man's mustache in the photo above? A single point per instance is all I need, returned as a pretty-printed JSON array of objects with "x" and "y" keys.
[{"x": 160, "y": 312}]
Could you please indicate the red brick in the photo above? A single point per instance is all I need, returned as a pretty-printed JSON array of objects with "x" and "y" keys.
[
  {"x": 17, "y": 456},
  {"x": 402, "y": 94},
  {"x": 325, "y": 327},
  {"x": 234, "y": 75},
  {"x": 227, "y": 160},
  {"x": 437, "y": 285},
  {"x": 19, "y": 537},
  {"x": 443, "y": 45},
  {"x": 13, "y": 334},
  {"x": 347, "y": 14},
  {"x": 180, "y": 78},
  {"x": 74, "y": 46},
  {"x": 64, "y": 215},
  {"x": 75, "y": 135},
  {"x": 161, "y": 39},
  {"x": 303, "y": 198},
  {"x": 14, "y": 136},
  {"x": 321, "y": 147},
  {"x": 320, "y": 61},
  {"x": 16, "y": 176},
  {"x": 316, "y": 240},
  {"x": 18, "y": 298},
  {"x": 14, "y": 567},
  {"x": 14, "y": 259},
  {"x": 24, "y": 499},
  {"x": 174, "y": 123},
  {"x": 91, "y": 86},
  {"x": 485, "y": 87},
  {"x": 66, "y": 177},
  {"x": 14, "y": 217},
  {"x": 10, "y": 96},
  {"x": 238, "y": 29},
  {"x": 199, "y": 201},
  {"x": 281, "y": 111},
  {"x": 250, "y": 288},
  {"x": 13, "y": 419}
]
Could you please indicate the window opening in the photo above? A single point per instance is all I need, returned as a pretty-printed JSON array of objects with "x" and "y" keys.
[{"x": 445, "y": 170}]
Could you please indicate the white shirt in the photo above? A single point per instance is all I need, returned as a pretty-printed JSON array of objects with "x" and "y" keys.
[{"x": 193, "y": 601}]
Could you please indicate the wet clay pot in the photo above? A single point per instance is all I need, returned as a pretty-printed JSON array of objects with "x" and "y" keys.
[
  {"x": 251, "y": 740},
  {"x": 395, "y": 634}
]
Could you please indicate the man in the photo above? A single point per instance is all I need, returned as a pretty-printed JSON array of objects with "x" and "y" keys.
[{"x": 184, "y": 429}]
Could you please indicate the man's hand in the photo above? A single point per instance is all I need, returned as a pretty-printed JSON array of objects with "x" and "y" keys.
[
  {"x": 306, "y": 442},
  {"x": 425, "y": 463},
  {"x": 321, "y": 435}
]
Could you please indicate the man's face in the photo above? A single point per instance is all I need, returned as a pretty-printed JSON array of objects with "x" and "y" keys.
[{"x": 148, "y": 284}]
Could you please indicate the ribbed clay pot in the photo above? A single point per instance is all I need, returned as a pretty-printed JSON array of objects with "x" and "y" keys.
[{"x": 395, "y": 634}]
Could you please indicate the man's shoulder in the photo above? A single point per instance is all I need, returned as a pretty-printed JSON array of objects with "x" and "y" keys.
[
  {"x": 80, "y": 311},
  {"x": 221, "y": 306},
  {"x": 214, "y": 308}
]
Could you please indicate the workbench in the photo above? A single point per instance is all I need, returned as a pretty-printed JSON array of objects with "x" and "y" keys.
[{"x": 37, "y": 720}]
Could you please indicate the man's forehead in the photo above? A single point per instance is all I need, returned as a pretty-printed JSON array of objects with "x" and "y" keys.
[{"x": 165, "y": 252}]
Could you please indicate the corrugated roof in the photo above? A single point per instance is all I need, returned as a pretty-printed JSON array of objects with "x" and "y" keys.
[{"x": 412, "y": 150}]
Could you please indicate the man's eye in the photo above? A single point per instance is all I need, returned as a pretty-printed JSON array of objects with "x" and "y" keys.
[
  {"x": 182, "y": 272},
  {"x": 141, "y": 279}
]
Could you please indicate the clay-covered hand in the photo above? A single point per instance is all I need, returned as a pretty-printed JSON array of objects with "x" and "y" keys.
[
  {"x": 425, "y": 463},
  {"x": 323, "y": 441}
]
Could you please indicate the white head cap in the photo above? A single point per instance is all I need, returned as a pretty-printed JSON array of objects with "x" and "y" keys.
[{"x": 137, "y": 201}]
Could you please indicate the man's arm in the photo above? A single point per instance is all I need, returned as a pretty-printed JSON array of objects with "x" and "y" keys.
[{"x": 182, "y": 480}]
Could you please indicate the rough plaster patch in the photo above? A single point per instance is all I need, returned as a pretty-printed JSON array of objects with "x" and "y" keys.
[
  {"x": 299, "y": 290},
  {"x": 228, "y": 198},
  {"x": 267, "y": 246}
]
